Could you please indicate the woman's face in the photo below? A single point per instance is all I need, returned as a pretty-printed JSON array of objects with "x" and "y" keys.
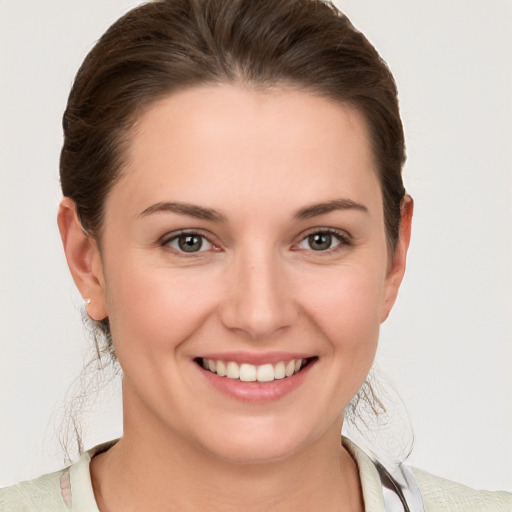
[{"x": 246, "y": 236}]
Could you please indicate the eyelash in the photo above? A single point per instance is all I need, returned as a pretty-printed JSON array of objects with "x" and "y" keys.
[
  {"x": 166, "y": 241},
  {"x": 342, "y": 237}
]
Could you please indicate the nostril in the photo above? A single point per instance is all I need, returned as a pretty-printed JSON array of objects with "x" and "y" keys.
[{"x": 258, "y": 300}]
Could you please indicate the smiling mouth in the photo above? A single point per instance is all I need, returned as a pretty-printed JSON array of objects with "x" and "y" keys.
[{"x": 246, "y": 372}]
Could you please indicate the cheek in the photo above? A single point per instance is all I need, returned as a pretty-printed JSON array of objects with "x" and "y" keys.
[
  {"x": 346, "y": 309},
  {"x": 348, "y": 301},
  {"x": 156, "y": 308}
]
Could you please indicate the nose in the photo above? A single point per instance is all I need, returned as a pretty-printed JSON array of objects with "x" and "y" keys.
[{"x": 259, "y": 298}]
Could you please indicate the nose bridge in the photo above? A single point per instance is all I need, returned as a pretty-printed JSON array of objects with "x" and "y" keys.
[{"x": 259, "y": 300}]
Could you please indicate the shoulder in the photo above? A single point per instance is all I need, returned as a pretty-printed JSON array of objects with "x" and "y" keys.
[
  {"x": 62, "y": 491},
  {"x": 437, "y": 494},
  {"x": 441, "y": 495},
  {"x": 42, "y": 495}
]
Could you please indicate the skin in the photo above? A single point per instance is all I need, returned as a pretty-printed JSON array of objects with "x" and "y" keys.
[{"x": 260, "y": 161}]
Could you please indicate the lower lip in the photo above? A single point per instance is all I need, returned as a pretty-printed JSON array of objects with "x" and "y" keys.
[{"x": 256, "y": 392}]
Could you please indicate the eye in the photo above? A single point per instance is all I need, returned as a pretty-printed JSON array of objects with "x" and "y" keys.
[
  {"x": 188, "y": 243},
  {"x": 324, "y": 240}
]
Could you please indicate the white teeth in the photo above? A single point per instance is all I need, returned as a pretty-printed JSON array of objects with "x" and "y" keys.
[
  {"x": 265, "y": 373},
  {"x": 232, "y": 370},
  {"x": 250, "y": 373},
  {"x": 279, "y": 371},
  {"x": 290, "y": 368},
  {"x": 221, "y": 368}
]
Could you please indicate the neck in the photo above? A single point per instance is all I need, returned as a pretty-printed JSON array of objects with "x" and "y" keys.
[{"x": 166, "y": 472}]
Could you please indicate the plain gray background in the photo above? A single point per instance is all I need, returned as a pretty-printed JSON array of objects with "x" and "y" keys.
[{"x": 447, "y": 348}]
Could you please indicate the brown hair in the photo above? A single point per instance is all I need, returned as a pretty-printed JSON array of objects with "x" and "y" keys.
[
  {"x": 168, "y": 45},
  {"x": 161, "y": 47}
]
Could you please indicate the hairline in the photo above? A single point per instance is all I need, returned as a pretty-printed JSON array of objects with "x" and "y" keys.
[{"x": 132, "y": 121}]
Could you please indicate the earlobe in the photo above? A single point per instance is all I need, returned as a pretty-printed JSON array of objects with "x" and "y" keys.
[
  {"x": 397, "y": 263},
  {"x": 84, "y": 261}
]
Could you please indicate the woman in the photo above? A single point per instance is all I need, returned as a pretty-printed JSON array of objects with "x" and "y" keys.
[{"x": 235, "y": 220}]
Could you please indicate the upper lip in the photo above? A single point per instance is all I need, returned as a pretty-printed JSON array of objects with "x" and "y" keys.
[{"x": 256, "y": 358}]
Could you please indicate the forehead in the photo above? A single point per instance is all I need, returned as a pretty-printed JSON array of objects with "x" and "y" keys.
[{"x": 216, "y": 143}]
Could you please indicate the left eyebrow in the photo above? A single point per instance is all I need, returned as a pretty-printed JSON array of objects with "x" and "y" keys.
[{"x": 323, "y": 208}]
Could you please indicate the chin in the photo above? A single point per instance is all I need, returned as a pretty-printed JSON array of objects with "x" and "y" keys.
[
  {"x": 258, "y": 443},
  {"x": 255, "y": 454}
]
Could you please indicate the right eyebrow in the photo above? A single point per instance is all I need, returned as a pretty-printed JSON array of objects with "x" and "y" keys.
[{"x": 191, "y": 210}]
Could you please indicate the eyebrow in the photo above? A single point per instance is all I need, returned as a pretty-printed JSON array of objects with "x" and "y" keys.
[
  {"x": 200, "y": 212},
  {"x": 192, "y": 210},
  {"x": 323, "y": 208}
]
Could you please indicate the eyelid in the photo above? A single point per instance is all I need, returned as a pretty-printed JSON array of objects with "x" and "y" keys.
[
  {"x": 343, "y": 236},
  {"x": 174, "y": 235}
]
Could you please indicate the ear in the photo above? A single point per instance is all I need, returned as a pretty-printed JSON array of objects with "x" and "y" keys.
[
  {"x": 396, "y": 268},
  {"x": 84, "y": 259}
]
